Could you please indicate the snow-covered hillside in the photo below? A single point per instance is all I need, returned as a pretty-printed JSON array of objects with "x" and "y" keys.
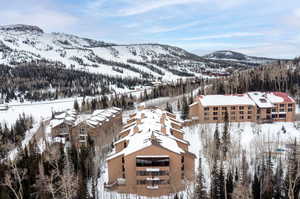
[
  {"x": 237, "y": 57},
  {"x": 24, "y": 43}
]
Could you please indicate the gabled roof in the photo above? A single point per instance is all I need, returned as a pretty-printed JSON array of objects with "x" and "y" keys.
[{"x": 149, "y": 133}]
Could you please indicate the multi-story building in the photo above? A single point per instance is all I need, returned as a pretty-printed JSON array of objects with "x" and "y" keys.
[
  {"x": 249, "y": 107},
  {"x": 76, "y": 128},
  {"x": 150, "y": 158}
]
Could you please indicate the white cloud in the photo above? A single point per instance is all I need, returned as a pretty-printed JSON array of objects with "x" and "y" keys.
[
  {"x": 160, "y": 29},
  {"x": 223, "y": 36},
  {"x": 149, "y": 5},
  {"x": 275, "y": 50},
  {"x": 293, "y": 19},
  {"x": 50, "y": 20}
]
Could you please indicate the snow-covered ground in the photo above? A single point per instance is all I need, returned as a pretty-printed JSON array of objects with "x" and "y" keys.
[{"x": 38, "y": 110}]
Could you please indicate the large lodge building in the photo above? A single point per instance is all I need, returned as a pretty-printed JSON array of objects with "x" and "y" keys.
[
  {"x": 74, "y": 128},
  {"x": 150, "y": 158},
  {"x": 257, "y": 107}
]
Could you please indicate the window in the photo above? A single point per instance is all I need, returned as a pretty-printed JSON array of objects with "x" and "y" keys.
[
  {"x": 233, "y": 108},
  {"x": 290, "y": 110},
  {"x": 281, "y": 110},
  {"x": 241, "y": 117},
  {"x": 273, "y": 109},
  {"x": 216, "y": 108},
  {"x": 123, "y": 160},
  {"x": 290, "y": 105},
  {"x": 274, "y": 116},
  {"x": 249, "y": 107},
  {"x": 224, "y": 108},
  {"x": 123, "y": 168},
  {"x": 152, "y": 173},
  {"x": 215, "y": 118},
  {"x": 152, "y": 161},
  {"x": 241, "y": 112},
  {"x": 206, "y": 113},
  {"x": 82, "y": 131},
  {"x": 215, "y": 113},
  {"x": 282, "y": 116},
  {"x": 268, "y": 110},
  {"x": 241, "y": 108},
  {"x": 182, "y": 159},
  {"x": 206, "y": 108},
  {"x": 258, "y": 117},
  {"x": 249, "y": 117},
  {"x": 249, "y": 112},
  {"x": 125, "y": 144},
  {"x": 258, "y": 111},
  {"x": 281, "y": 105},
  {"x": 152, "y": 182}
]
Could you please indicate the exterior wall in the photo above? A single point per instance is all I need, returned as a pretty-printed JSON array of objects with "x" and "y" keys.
[
  {"x": 288, "y": 108},
  {"x": 237, "y": 113},
  {"x": 175, "y": 172},
  {"x": 62, "y": 130},
  {"x": 243, "y": 113},
  {"x": 114, "y": 169}
]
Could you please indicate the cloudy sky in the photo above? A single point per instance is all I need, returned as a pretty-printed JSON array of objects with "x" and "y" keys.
[{"x": 255, "y": 27}]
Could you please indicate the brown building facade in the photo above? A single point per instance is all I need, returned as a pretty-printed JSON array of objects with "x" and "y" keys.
[
  {"x": 257, "y": 107},
  {"x": 75, "y": 128},
  {"x": 151, "y": 158}
]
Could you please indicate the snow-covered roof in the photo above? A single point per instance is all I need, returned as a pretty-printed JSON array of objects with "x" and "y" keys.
[
  {"x": 73, "y": 119},
  {"x": 279, "y": 97},
  {"x": 150, "y": 133},
  {"x": 225, "y": 100},
  {"x": 261, "y": 99}
]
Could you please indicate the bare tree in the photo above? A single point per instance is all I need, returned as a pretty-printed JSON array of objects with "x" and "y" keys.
[{"x": 13, "y": 180}]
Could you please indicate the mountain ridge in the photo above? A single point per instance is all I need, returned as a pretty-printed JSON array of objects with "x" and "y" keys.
[{"x": 26, "y": 43}]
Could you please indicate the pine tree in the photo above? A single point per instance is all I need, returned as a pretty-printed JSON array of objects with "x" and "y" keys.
[
  {"x": 169, "y": 107},
  {"x": 221, "y": 182},
  {"x": 225, "y": 136},
  {"x": 214, "y": 187},
  {"x": 229, "y": 185},
  {"x": 217, "y": 143},
  {"x": 200, "y": 189},
  {"x": 76, "y": 106},
  {"x": 185, "y": 108},
  {"x": 256, "y": 187}
]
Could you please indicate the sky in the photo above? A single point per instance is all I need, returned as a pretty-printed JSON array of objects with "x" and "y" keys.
[{"x": 268, "y": 28}]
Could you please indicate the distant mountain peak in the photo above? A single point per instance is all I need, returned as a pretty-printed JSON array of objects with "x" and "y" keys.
[
  {"x": 233, "y": 56},
  {"x": 21, "y": 28},
  {"x": 226, "y": 54}
]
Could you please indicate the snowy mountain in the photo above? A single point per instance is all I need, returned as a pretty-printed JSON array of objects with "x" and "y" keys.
[
  {"x": 227, "y": 55},
  {"x": 24, "y": 43}
]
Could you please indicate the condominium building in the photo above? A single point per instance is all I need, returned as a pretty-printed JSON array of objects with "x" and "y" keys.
[
  {"x": 249, "y": 107},
  {"x": 150, "y": 158},
  {"x": 75, "y": 128}
]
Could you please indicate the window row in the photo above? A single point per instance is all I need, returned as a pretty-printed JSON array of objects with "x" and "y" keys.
[
  {"x": 228, "y": 108},
  {"x": 152, "y": 182},
  {"x": 231, "y": 118},
  {"x": 152, "y": 173}
]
